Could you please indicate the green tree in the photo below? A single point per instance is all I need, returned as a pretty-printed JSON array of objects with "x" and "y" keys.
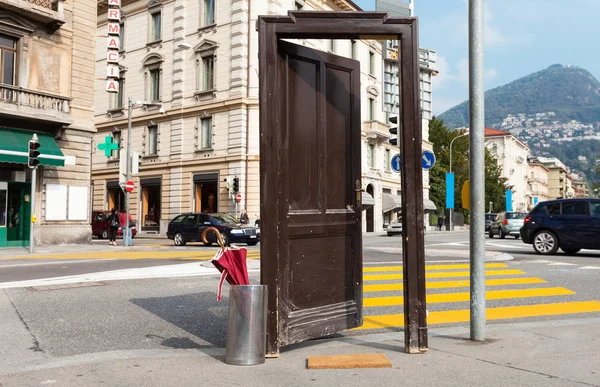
[{"x": 441, "y": 137}]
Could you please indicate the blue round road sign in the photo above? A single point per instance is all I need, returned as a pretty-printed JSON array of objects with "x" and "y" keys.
[
  {"x": 427, "y": 160},
  {"x": 396, "y": 163}
]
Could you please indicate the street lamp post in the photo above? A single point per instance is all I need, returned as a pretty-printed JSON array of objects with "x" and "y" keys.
[{"x": 451, "y": 210}]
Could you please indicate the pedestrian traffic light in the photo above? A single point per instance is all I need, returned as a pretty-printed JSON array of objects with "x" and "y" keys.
[
  {"x": 236, "y": 184},
  {"x": 32, "y": 159},
  {"x": 394, "y": 130},
  {"x": 136, "y": 163}
]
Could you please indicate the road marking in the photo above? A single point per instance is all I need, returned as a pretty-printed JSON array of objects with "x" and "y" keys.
[
  {"x": 134, "y": 255},
  {"x": 501, "y": 313},
  {"x": 432, "y": 267},
  {"x": 561, "y": 264},
  {"x": 384, "y": 277},
  {"x": 590, "y": 267},
  {"x": 466, "y": 296},
  {"x": 455, "y": 284}
]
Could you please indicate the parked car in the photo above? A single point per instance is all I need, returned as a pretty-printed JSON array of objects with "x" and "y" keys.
[
  {"x": 100, "y": 225},
  {"x": 507, "y": 223},
  {"x": 571, "y": 224},
  {"x": 489, "y": 218},
  {"x": 189, "y": 227},
  {"x": 395, "y": 227}
]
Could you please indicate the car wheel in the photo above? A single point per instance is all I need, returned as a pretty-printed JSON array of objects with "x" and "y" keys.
[
  {"x": 252, "y": 243},
  {"x": 390, "y": 234},
  {"x": 517, "y": 236},
  {"x": 491, "y": 234},
  {"x": 571, "y": 251},
  {"x": 225, "y": 239},
  {"x": 104, "y": 234},
  {"x": 545, "y": 243},
  {"x": 178, "y": 240},
  {"x": 502, "y": 234}
]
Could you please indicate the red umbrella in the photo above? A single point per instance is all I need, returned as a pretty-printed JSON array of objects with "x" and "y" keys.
[{"x": 230, "y": 261}]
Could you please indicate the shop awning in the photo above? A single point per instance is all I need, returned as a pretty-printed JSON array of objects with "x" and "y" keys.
[
  {"x": 367, "y": 200},
  {"x": 429, "y": 206},
  {"x": 14, "y": 147},
  {"x": 391, "y": 202}
]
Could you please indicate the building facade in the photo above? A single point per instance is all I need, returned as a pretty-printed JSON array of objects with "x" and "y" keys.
[
  {"x": 47, "y": 52},
  {"x": 537, "y": 183},
  {"x": 512, "y": 157},
  {"x": 196, "y": 62},
  {"x": 559, "y": 185}
]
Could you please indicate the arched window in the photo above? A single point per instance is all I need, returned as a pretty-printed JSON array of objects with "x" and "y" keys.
[{"x": 153, "y": 77}]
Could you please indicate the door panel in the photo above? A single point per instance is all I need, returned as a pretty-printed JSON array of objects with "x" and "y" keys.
[{"x": 320, "y": 240}]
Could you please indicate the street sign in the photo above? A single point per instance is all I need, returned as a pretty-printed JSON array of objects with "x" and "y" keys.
[
  {"x": 536, "y": 200},
  {"x": 396, "y": 163},
  {"x": 122, "y": 185},
  {"x": 129, "y": 186},
  {"x": 427, "y": 160},
  {"x": 450, "y": 190},
  {"x": 108, "y": 146},
  {"x": 238, "y": 197}
]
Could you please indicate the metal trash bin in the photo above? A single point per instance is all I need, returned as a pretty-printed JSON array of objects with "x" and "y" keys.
[{"x": 247, "y": 329}]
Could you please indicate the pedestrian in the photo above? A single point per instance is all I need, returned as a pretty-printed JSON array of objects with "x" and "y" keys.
[
  {"x": 126, "y": 232},
  {"x": 440, "y": 222},
  {"x": 113, "y": 226},
  {"x": 244, "y": 217}
]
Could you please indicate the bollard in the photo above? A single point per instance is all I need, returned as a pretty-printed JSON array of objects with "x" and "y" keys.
[{"x": 247, "y": 328}]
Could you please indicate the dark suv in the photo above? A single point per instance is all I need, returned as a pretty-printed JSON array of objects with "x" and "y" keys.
[
  {"x": 189, "y": 227},
  {"x": 571, "y": 224}
]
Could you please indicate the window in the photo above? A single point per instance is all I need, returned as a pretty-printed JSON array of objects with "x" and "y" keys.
[
  {"x": 371, "y": 155},
  {"x": 8, "y": 51},
  {"x": 595, "y": 207},
  {"x": 371, "y": 109},
  {"x": 154, "y": 85},
  {"x": 155, "y": 25},
  {"x": 208, "y": 12},
  {"x": 387, "y": 165},
  {"x": 122, "y": 36},
  {"x": 152, "y": 140},
  {"x": 115, "y": 100},
  {"x": 579, "y": 207},
  {"x": 208, "y": 65},
  {"x": 550, "y": 209},
  {"x": 353, "y": 48},
  {"x": 206, "y": 133},
  {"x": 117, "y": 140},
  {"x": 371, "y": 63}
]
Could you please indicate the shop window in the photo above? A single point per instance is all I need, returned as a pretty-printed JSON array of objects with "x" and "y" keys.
[
  {"x": 8, "y": 59},
  {"x": 151, "y": 207}
]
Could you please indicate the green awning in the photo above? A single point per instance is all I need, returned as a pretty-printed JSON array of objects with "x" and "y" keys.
[{"x": 16, "y": 140}]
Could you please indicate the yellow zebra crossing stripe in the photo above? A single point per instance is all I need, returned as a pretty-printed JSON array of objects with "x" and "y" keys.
[
  {"x": 501, "y": 313},
  {"x": 465, "y": 296},
  {"x": 385, "y": 277},
  {"x": 382, "y": 269},
  {"x": 455, "y": 284}
]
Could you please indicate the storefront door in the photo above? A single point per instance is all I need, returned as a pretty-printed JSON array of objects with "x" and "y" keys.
[
  {"x": 206, "y": 192},
  {"x": 151, "y": 191},
  {"x": 16, "y": 215}
]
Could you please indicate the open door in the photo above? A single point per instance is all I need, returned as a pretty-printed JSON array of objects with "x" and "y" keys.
[{"x": 316, "y": 270}]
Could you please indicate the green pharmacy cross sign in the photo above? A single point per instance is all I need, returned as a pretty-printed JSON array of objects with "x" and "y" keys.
[{"x": 108, "y": 146}]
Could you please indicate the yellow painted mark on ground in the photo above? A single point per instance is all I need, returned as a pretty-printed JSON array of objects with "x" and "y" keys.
[
  {"x": 431, "y": 267},
  {"x": 455, "y": 284},
  {"x": 450, "y": 274},
  {"x": 133, "y": 255},
  {"x": 502, "y": 313},
  {"x": 466, "y": 296}
]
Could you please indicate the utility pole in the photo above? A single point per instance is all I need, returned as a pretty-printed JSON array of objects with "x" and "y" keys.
[
  {"x": 477, "y": 163},
  {"x": 32, "y": 162},
  {"x": 126, "y": 238}
]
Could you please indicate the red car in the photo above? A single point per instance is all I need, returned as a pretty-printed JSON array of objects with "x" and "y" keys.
[{"x": 100, "y": 225}]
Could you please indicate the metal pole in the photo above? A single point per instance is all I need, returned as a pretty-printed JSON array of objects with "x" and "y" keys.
[
  {"x": 33, "y": 186},
  {"x": 126, "y": 239},
  {"x": 477, "y": 205}
]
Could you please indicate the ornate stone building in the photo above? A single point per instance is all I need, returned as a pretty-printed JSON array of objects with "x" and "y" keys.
[{"x": 46, "y": 83}]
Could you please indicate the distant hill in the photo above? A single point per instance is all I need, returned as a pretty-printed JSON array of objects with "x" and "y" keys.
[{"x": 571, "y": 92}]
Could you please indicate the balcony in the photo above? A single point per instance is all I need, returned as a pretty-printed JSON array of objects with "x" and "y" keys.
[
  {"x": 49, "y": 12},
  {"x": 17, "y": 102},
  {"x": 376, "y": 130}
]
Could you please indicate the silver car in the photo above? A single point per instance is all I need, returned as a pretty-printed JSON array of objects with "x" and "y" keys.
[
  {"x": 395, "y": 228},
  {"x": 507, "y": 223}
]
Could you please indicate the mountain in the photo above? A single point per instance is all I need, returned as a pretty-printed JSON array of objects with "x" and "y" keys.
[{"x": 569, "y": 91}]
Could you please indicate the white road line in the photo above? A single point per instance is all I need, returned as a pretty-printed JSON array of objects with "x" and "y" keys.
[
  {"x": 57, "y": 263},
  {"x": 591, "y": 267},
  {"x": 562, "y": 264}
]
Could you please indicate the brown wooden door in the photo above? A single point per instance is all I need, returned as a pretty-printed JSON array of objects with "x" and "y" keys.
[{"x": 319, "y": 242}]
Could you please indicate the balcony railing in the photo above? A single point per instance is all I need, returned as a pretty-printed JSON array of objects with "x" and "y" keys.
[
  {"x": 27, "y": 103},
  {"x": 49, "y": 12},
  {"x": 50, "y": 4},
  {"x": 376, "y": 130}
]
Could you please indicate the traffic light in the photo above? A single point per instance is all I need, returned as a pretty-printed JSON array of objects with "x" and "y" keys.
[
  {"x": 136, "y": 162},
  {"x": 236, "y": 184},
  {"x": 32, "y": 159},
  {"x": 394, "y": 130}
]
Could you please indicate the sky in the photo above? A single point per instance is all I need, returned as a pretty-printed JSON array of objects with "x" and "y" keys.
[{"x": 521, "y": 37}]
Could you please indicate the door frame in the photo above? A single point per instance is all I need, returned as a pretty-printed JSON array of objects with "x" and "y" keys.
[{"x": 343, "y": 25}]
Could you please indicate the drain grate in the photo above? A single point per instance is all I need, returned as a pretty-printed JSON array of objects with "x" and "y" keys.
[{"x": 66, "y": 286}]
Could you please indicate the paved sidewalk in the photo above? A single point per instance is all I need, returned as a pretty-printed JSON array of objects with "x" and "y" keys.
[{"x": 546, "y": 354}]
